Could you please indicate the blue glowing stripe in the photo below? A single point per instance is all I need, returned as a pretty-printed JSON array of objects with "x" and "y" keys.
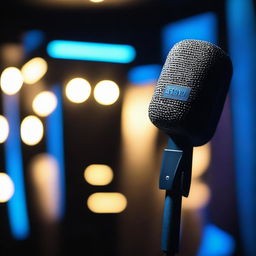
[
  {"x": 144, "y": 74},
  {"x": 216, "y": 242},
  {"x": 242, "y": 45},
  {"x": 201, "y": 27},
  {"x": 74, "y": 50},
  {"x": 55, "y": 145},
  {"x": 17, "y": 209}
]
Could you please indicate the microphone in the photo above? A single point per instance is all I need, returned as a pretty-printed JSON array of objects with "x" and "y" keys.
[
  {"x": 187, "y": 104},
  {"x": 191, "y": 91}
]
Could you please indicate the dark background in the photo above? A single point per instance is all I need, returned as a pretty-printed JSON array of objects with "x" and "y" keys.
[{"x": 92, "y": 133}]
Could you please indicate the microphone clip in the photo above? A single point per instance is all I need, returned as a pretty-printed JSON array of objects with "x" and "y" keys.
[{"x": 175, "y": 173}]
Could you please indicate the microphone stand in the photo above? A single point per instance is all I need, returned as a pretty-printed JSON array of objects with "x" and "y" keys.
[{"x": 175, "y": 178}]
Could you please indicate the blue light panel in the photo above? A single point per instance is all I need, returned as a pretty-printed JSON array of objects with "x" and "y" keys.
[
  {"x": 202, "y": 27},
  {"x": 216, "y": 242},
  {"x": 242, "y": 45},
  {"x": 145, "y": 74},
  {"x": 55, "y": 145},
  {"x": 17, "y": 209},
  {"x": 75, "y": 50}
]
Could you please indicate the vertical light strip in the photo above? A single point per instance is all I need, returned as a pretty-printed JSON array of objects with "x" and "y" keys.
[
  {"x": 55, "y": 145},
  {"x": 17, "y": 209},
  {"x": 242, "y": 44}
]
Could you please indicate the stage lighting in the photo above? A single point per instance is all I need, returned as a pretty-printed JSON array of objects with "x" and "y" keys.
[
  {"x": 199, "y": 196},
  {"x": 144, "y": 75},
  {"x": 4, "y": 128},
  {"x": 136, "y": 127},
  {"x": 17, "y": 207},
  {"x": 34, "y": 70},
  {"x": 32, "y": 40},
  {"x": 46, "y": 185},
  {"x": 90, "y": 51},
  {"x": 201, "y": 159},
  {"x": 54, "y": 145},
  {"x": 31, "y": 130},
  {"x": 78, "y": 90},
  {"x": 98, "y": 174},
  {"x": 216, "y": 242},
  {"x": 241, "y": 20},
  {"x": 6, "y": 187},
  {"x": 96, "y": 1},
  {"x": 106, "y": 92},
  {"x": 11, "y": 80},
  {"x": 44, "y": 103},
  {"x": 107, "y": 202},
  {"x": 201, "y": 27}
]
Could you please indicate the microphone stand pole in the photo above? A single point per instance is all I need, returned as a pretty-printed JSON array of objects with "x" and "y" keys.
[{"x": 175, "y": 178}]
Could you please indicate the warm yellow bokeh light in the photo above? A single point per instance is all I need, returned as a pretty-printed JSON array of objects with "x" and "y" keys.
[
  {"x": 107, "y": 202},
  {"x": 98, "y": 174},
  {"x": 6, "y": 187},
  {"x": 201, "y": 159},
  {"x": 106, "y": 92},
  {"x": 31, "y": 130},
  {"x": 34, "y": 70},
  {"x": 11, "y": 80},
  {"x": 136, "y": 127},
  {"x": 44, "y": 103},
  {"x": 46, "y": 185},
  {"x": 4, "y": 129},
  {"x": 78, "y": 90},
  {"x": 199, "y": 196}
]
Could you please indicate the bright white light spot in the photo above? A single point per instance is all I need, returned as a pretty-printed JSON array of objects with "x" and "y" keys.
[
  {"x": 106, "y": 92},
  {"x": 31, "y": 130},
  {"x": 34, "y": 70},
  {"x": 6, "y": 187},
  {"x": 97, "y": 1},
  {"x": 78, "y": 90},
  {"x": 44, "y": 103},
  {"x": 98, "y": 174},
  {"x": 11, "y": 80},
  {"x": 107, "y": 202},
  {"x": 4, "y": 129}
]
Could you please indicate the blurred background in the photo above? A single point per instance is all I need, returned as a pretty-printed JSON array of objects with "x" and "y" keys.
[{"x": 79, "y": 158}]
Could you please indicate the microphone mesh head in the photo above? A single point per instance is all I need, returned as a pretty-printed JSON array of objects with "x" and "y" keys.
[{"x": 204, "y": 70}]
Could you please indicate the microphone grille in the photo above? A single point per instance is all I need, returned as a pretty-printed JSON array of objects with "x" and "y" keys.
[{"x": 190, "y": 63}]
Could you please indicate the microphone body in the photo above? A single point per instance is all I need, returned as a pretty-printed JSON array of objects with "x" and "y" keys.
[
  {"x": 187, "y": 104},
  {"x": 191, "y": 91}
]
